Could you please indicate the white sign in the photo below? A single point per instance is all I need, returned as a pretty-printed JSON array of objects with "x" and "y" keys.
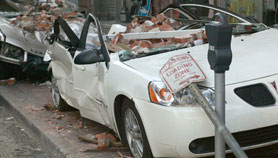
[{"x": 180, "y": 71}]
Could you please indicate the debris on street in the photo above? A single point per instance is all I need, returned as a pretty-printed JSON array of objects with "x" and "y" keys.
[
  {"x": 10, "y": 81},
  {"x": 115, "y": 149},
  {"x": 63, "y": 131},
  {"x": 9, "y": 118},
  {"x": 49, "y": 107},
  {"x": 33, "y": 108},
  {"x": 102, "y": 140}
]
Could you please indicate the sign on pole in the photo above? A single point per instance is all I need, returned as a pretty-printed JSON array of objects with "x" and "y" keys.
[{"x": 180, "y": 71}]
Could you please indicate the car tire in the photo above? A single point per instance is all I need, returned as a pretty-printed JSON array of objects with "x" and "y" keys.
[
  {"x": 58, "y": 102},
  {"x": 134, "y": 135}
]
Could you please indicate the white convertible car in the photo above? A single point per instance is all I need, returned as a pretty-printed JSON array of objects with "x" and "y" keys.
[{"x": 124, "y": 91}]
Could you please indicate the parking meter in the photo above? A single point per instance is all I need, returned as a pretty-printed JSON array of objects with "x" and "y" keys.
[{"x": 219, "y": 36}]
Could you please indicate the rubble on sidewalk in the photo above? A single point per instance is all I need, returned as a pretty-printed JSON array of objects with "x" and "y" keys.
[
  {"x": 62, "y": 133},
  {"x": 159, "y": 23},
  {"x": 102, "y": 140},
  {"x": 10, "y": 81},
  {"x": 49, "y": 107}
]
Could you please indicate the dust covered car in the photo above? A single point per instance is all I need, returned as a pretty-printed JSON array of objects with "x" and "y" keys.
[{"x": 115, "y": 80}]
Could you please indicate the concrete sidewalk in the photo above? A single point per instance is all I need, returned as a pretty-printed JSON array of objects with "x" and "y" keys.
[{"x": 57, "y": 133}]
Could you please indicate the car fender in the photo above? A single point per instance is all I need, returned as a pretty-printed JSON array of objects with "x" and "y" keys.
[{"x": 130, "y": 83}]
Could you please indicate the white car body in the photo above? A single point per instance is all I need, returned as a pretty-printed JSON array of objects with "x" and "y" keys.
[{"x": 97, "y": 89}]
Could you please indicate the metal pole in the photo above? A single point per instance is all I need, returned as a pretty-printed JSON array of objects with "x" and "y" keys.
[
  {"x": 220, "y": 111},
  {"x": 225, "y": 4},
  {"x": 118, "y": 10},
  {"x": 220, "y": 126},
  {"x": 259, "y": 10},
  {"x": 222, "y": 3}
]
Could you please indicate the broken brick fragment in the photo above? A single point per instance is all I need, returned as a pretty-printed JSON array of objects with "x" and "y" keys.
[
  {"x": 166, "y": 27},
  {"x": 70, "y": 15},
  {"x": 173, "y": 23},
  {"x": 117, "y": 38},
  {"x": 49, "y": 107},
  {"x": 135, "y": 43},
  {"x": 154, "y": 20},
  {"x": 146, "y": 44},
  {"x": 160, "y": 18},
  {"x": 181, "y": 40},
  {"x": 146, "y": 28}
]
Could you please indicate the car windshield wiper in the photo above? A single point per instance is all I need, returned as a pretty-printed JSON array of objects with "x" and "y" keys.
[
  {"x": 130, "y": 56},
  {"x": 164, "y": 50}
]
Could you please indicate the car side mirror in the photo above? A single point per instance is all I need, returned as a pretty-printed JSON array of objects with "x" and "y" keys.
[{"x": 89, "y": 57}]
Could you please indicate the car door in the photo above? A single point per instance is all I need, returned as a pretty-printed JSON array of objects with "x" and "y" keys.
[
  {"x": 62, "y": 61},
  {"x": 88, "y": 81},
  {"x": 62, "y": 70}
]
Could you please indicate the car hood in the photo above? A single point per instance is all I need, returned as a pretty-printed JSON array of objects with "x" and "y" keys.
[{"x": 254, "y": 56}]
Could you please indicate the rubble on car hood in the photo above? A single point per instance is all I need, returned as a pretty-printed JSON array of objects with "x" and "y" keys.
[
  {"x": 259, "y": 48},
  {"x": 158, "y": 23}
]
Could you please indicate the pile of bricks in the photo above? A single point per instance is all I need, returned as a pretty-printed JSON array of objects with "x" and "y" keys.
[
  {"x": 42, "y": 17},
  {"x": 157, "y": 23}
]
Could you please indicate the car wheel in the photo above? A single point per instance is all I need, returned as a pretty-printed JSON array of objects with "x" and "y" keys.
[
  {"x": 59, "y": 103},
  {"x": 134, "y": 132}
]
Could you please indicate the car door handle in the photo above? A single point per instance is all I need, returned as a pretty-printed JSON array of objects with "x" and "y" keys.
[{"x": 80, "y": 67}]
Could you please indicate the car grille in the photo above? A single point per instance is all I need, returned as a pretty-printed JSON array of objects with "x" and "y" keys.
[
  {"x": 257, "y": 95},
  {"x": 245, "y": 138}
]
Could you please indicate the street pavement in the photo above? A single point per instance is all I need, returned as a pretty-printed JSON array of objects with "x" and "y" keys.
[{"x": 14, "y": 141}]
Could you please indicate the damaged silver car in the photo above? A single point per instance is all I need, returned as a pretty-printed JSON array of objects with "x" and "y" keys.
[
  {"x": 23, "y": 40},
  {"x": 21, "y": 47}
]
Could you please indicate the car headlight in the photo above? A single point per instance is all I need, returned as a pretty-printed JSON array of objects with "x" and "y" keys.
[
  {"x": 184, "y": 97},
  {"x": 160, "y": 94}
]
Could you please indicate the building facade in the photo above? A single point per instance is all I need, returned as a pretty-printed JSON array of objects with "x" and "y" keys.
[{"x": 110, "y": 11}]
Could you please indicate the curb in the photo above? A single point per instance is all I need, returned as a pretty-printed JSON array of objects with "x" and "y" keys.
[{"x": 53, "y": 146}]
